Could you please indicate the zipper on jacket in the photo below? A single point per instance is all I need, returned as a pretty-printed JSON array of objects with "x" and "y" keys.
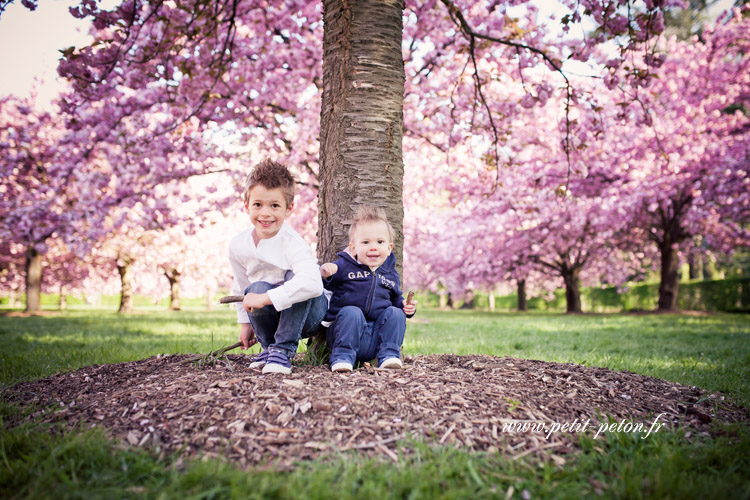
[{"x": 372, "y": 292}]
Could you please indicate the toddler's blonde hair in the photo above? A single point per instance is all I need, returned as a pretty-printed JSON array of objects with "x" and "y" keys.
[{"x": 371, "y": 213}]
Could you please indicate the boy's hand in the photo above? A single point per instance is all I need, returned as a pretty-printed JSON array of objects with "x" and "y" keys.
[
  {"x": 410, "y": 308},
  {"x": 247, "y": 336},
  {"x": 256, "y": 301},
  {"x": 328, "y": 269}
]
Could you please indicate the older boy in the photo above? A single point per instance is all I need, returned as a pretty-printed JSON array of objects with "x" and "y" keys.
[
  {"x": 276, "y": 270},
  {"x": 367, "y": 314}
]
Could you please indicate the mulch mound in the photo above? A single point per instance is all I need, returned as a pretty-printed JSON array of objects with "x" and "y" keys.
[{"x": 231, "y": 411}]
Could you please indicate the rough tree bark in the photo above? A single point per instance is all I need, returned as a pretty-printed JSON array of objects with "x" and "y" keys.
[
  {"x": 361, "y": 122},
  {"x": 33, "y": 280},
  {"x": 124, "y": 267},
  {"x": 173, "y": 276},
  {"x": 521, "y": 289}
]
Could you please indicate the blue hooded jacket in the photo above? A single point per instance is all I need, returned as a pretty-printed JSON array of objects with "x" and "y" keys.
[{"x": 354, "y": 284}]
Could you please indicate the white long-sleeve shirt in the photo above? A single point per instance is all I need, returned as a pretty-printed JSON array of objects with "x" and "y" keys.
[{"x": 269, "y": 261}]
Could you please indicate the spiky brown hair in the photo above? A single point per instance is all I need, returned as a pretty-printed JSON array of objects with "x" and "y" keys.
[{"x": 271, "y": 175}]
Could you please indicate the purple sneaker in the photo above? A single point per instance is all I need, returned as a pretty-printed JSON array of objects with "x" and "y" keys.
[
  {"x": 260, "y": 360},
  {"x": 278, "y": 363}
]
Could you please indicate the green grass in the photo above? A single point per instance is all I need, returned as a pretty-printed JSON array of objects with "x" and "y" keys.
[
  {"x": 43, "y": 461},
  {"x": 32, "y": 347}
]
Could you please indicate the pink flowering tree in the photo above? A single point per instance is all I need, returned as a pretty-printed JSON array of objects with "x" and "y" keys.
[
  {"x": 666, "y": 161},
  {"x": 687, "y": 154},
  {"x": 247, "y": 71},
  {"x": 35, "y": 199},
  {"x": 61, "y": 181},
  {"x": 170, "y": 90}
]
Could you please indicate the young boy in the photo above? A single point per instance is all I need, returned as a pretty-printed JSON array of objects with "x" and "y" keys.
[
  {"x": 276, "y": 271},
  {"x": 367, "y": 314}
]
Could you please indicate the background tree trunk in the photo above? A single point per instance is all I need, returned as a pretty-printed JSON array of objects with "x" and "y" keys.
[
  {"x": 572, "y": 290},
  {"x": 126, "y": 282},
  {"x": 491, "y": 300},
  {"x": 670, "y": 277},
  {"x": 521, "y": 288},
  {"x": 695, "y": 266},
  {"x": 361, "y": 121},
  {"x": 33, "y": 280},
  {"x": 468, "y": 299},
  {"x": 442, "y": 298},
  {"x": 209, "y": 298},
  {"x": 173, "y": 275},
  {"x": 13, "y": 299},
  {"x": 62, "y": 302},
  {"x": 709, "y": 268}
]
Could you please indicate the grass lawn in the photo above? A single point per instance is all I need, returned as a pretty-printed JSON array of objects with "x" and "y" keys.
[{"x": 712, "y": 352}]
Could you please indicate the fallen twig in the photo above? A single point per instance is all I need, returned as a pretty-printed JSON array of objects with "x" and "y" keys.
[{"x": 214, "y": 355}]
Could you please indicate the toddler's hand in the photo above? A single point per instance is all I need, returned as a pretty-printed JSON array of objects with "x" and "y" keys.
[
  {"x": 410, "y": 308},
  {"x": 247, "y": 336},
  {"x": 328, "y": 269}
]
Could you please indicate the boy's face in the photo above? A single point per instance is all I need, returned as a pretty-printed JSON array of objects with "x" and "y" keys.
[
  {"x": 267, "y": 209},
  {"x": 371, "y": 243}
]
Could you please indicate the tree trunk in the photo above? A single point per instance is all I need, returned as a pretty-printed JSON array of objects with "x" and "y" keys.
[
  {"x": 670, "y": 277},
  {"x": 62, "y": 302},
  {"x": 572, "y": 290},
  {"x": 209, "y": 298},
  {"x": 173, "y": 275},
  {"x": 709, "y": 269},
  {"x": 695, "y": 266},
  {"x": 126, "y": 294},
  {"x": 33, "y": 280},
  {"x": 521, "y": 289},
  {"x": 361, "y": 119},
  {"x": 491, "y": 300},
  {"x": 468, "y": 299},
  {"x": 442, "y": 299}
]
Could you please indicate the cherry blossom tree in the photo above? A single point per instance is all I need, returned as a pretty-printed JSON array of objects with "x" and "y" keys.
[
  {"x": 688, "y": 156},
  {"x": 170, "y": 90},
  {"x": 251, "y": 69},
  {"x": 665, "y": 161},
  {"x": 35, "y": 199}
]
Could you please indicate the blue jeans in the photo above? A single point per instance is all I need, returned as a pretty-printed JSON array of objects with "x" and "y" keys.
[
  {"x": 280, "y": 331},
  {"x": 353, "y": 338}
]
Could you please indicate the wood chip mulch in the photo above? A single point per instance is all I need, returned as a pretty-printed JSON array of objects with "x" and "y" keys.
[{"x": 231, "y": 411}]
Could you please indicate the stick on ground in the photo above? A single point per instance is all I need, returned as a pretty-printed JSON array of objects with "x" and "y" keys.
[{"x": 215, "y": 354}]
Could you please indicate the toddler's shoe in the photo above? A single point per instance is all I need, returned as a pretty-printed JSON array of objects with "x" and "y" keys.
[
  {"x": 259, "y": 361},
  {"x": 278, "y": 363},
  {"x": 391, "y": 364},
  {"x": 341, "y": 366}
]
